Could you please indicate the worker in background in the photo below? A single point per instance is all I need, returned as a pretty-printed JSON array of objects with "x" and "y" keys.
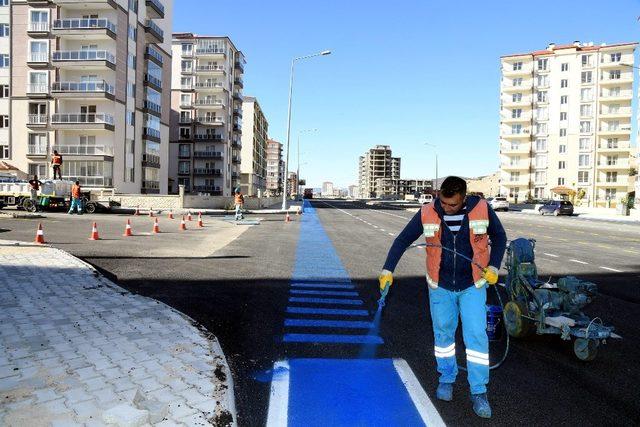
[
  {"x": 56, "y": 163},
  {"x": 76, "y": 198},
  {"x": 35, "y": 184},
  {"x": 238, "y": 200},
  {"x": 457, "y": 288}
]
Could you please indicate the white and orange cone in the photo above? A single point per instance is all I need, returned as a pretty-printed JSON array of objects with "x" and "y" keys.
[
  {"x": 200, "y": 224},
  {"x": 189, "y": 217},
  {"x": 183, "y": 226},
  {"x": 39, "y": 235},
  {"x": 287, "y": 218},
  {"x": 137, "y": 212},
  {"x": 170, "y": 216},
  {"x": 127, "y": 229},
  {"x": 94, "y": 232},
  {"x": 150, "y": 212},
  {"x": 156, "y": 226}
]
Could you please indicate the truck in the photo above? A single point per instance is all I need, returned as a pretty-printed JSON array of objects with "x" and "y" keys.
[
  {"x": 53, "y": 194},
  {"x": 308, "y": 193}
]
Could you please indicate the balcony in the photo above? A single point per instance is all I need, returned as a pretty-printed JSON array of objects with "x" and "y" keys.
[
  {"x": 187, "y": 87},
  {"x": 214, "y": 52},
  {"x": 524, "y": 87},
  {"x": 236, "y": 144},
  {"x": 508, "y": 102},
  {"x": 509, "y": 134},
  {"x": 151, "y": 160},
  {"x": 97, "y": 89},
  {"x": 82, "y": 121},
  {"x": 211, "y": 189},
  {"x": 208, "y": 137},
  {"x": 151, "y": 187},
  {"x": 84, "y": 59},
  {"x": 84, "y": 150},
  {"x": 155, "y": 9},
  {"x": 38, "y": 59},
  {"x": 237, "y": 127},
  {"x": 514, "y": 167},
  {"x": 216, "y": 155},
  {"x": 509, "y": 119},
  {"x": 153, "y": 55},
  {"x": 623, "y": 112},
  {"x": 38, "y": 28},
  {"x": 210, "y": 121},
  {"x": 237, "y": 112},
  {"x": 235, "y": 175},
  {"x": 210, "y": 69},
  {"x": 153, "y": 82},
  {"x": 236, "y": 160},
  {"x": 37, "y": 90},
  {"x": 615, "y": 131},
  {"x": 82, "y": 4},
  {"x": 604, "y": 182},
  {"x": 239, "y": 65},
  {"x": 184, "y": 172},
  {"x": 508, "y": 71},
  {"x": 239, "y": 82},
  {"x": 153, "y": 33},
  {"x": 152, "y": 108},
  {"x": 623, "y": 95},
  {"x": 150, "y": 134},
  {"x": 516, "y": 183},
  {"x": 37, "y": 120},
  {"x": 625, "y": 78},
  {"x": 620, "y": 147},
  {"x": 85, "y": 29},
  {"x": 606, "y": 62},
  {"x": 186, "y": 70},
  {"x": 95, "y": 181},
  {"x": 210, "y": 86},
  {"x": 237, "y": 96},
  {"x": 210, "y": 104},
  {"x": 207, "y": 172},
  {"x": 37, "y": 150},
  {"x": 620, "y": 164},
  {"x": 519, "y": 149}
]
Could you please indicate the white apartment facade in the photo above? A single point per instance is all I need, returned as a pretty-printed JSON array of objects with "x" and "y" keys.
[
  {"x": 275, "y": 168},
  {"x": 87, "y": 81},
  {"x": 206, "y": 129},
  {"x": 5, "y": 81},
  {"x": 327, "y": 189},
  {"x": 565, "y": 122},
  {"x": 255, "y": 131}
]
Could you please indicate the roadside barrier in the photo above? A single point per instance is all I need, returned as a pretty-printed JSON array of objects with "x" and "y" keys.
[
  {"x": 170, "y": 214},
  {"x": 189, "y": 217}
]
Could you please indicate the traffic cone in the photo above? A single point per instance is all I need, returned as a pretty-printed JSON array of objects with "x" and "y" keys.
[
  {"x": 39, "y": 235},
  {"x": 189, "y": 217},
  {"x": 156, "y": 226},
  {"x": 94, "y": 232},
  {"x": 137, "y": 212},
  {"x": 298, "y": 212},
  {"x": 183, "y": 226},
  {"x": 127, "y": 229},
  {"x": 200, "y": 224},
  {"x": 287, "y": 218},
  {"x": 170, "y": 214},
  {"x": 151, "y": 213}
]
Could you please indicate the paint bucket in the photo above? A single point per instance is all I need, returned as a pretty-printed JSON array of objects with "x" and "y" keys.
[{"x": 494, "y": 318}]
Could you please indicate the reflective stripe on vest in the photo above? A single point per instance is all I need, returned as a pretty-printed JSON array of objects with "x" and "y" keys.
[
  {"x": 238, "y": 199},
  {"x": 478, "y": 224},
  {"x": 57, "y": 160}
]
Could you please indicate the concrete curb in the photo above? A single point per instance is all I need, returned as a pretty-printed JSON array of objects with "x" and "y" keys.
[
  {"x": 590, "y": 217},
  {"x": 208, "y": 212}
]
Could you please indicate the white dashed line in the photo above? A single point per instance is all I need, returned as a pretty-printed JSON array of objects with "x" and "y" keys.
[
  {"x": 391, "y": 234},
  {"x": 382, "y": 229},
  {"x": 611, "y": 269},
  {"x": 578, "y": 261},
  {"x": 551, "y": 255}
]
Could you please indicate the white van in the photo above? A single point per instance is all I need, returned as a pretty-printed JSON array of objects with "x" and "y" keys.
[{"x": 425, "y": 198}]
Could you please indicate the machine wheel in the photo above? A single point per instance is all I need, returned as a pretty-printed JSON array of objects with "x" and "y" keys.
[
  {"x": 90, "y": 208},
  {"x": 540, "y": 211},
  {"x": 29, "y": 205},
  {"x": 556, "y": 212},
  {"x": 585, "y": 349},
  {"x": 516, "y": 325}
]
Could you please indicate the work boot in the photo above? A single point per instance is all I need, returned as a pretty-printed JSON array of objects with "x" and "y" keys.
[
  {"x": 445, "y": 392},
  {"x": 481, "y": 405}
]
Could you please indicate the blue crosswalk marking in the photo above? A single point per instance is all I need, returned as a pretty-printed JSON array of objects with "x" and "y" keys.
[
  {"x": 320, "y": 323},
  {"x": 335, "y": 338},
  {"x": 328, "y": 311},
  {"x": 330, "y": 293},
  {"x": 322, "y": 285}
]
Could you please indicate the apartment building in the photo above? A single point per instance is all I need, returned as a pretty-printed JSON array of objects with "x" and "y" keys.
[
  {"x": 275, "y": 168},
  {"x": 565, "y": 122},
  {"x": 377, "y": 169},
  {"x": 292, "y": 183},
  {"x": 327, "y": 189},
  {"x": 255, "y": 130},
  {"x": 5, "y": 82},
  {"x": 206, "y": 127},
  {"x": 86, "y": 79}
]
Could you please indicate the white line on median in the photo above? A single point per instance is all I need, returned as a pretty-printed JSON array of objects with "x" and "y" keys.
[
  {"x": 391, "y": 234},
  {"x": 578, "y": 261},
  {"x": 427, "y": 411},
  {"x": 551, "y": 255},
  {"x": 279, "y": 398},
  {"x": 611, "y": 269}
]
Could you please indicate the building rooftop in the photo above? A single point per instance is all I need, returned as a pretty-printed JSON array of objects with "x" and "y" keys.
[{"x": 579, "y": 47}]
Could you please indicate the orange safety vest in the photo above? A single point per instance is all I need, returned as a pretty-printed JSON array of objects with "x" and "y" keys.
[
  {"x": 478, "y": 224},
  {"x": 75, "y": 191},
  {"x": 56, "y": 160},
  {"x": 238, "y": 199}
]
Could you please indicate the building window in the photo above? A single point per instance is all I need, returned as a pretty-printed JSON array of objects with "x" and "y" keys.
[
  {"x": 184, "y": 150},
  {"x": 564, "y": 66},
  {"x": 543, "y": 80},
  {"x": 129, "y": 160},
  {"x": 4, "y": 151},
  {"x": 560, "y": 181},
  {"x": 4, "y": 2},
  {"x": 517, "y": 82},
  {"x": 514, "y": 176},
  {"x": 562, "y": 164},
  {"x": 542, "y": 113},
  {"x": 541, "y": 144},
  {"x": 541, "y": 161},
  {"x": 564, "y": 83},
  {"x": 186, "y": 66},
  {"x": 585, "y": 127},
  {"x": 614, "y": 75},
  {"x": 4, "y": 121},
  {"x": 543, "y": 64},
  {"x": 585, "y": 110},
  {"x": 563, "y": 116},
  {"x": 542, "y": 96},
  {"x": 516, "y": 113},
  {"x": 131, "y": 89},
  {"x": 583, "y": 177},
  {"x": 4, "y": 91},
  {"x": 541, "y": 176},
  {"x": 517, "y": 66},
  {"x": 612, "y": 177},
  {"x": 185, "y": 133},
  {"x": 183, "y": 167},
  {"x": 516, "y": 97},
  {"x": 615, "y": 57},
  {"x": 541, "y": 128},
  {"x": 586, "y": 77},
  {"x": 562, "y": 148},
  {"x": 585, "y": 144},
  {"x": 187, "y": 49},
  {"x": 584, "y": 160},
  {"x": 131, "y": 61},
  {"x": 4, "y": 60},
  {"x": 4, "y": 30},
  {"x": 586, "y": 60},
  {"x": 563, "y": 132},
  {"x": 133, "y": 6},
  {"x": 564, "y": 99},
  {"x": 612, "y": 142},
  {"x": 132, "y": 33},
  {"x": 586, "y": 94},
  {"x": 610, "y": 193}
]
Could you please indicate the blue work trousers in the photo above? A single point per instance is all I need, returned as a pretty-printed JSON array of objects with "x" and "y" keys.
[
  {"x": 76, "y": 203},
  {"x": 470, "y": 305},
  {"x": 239, "y": 212}
]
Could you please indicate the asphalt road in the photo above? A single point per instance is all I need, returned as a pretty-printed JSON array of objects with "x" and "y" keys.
[{"x": 240, "y": 293}]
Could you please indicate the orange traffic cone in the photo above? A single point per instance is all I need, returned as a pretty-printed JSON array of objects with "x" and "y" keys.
[
  {"x": 156, "y": 227},
  {"x": 40, "y": 234},
  {"x": 298, "y": 212},
  {"x": 150, "y": 212},
  {"x": 189, "y": 217},
  {"x": 287, "y": 218},
  {"x": 94, "y": 232},
  {"x": 200, "y": 224},
  {"x": 183, "y": 226},
  {"x": 127, "y": 229},
  {"x": 170, "y": 214},
  {"x": 137, "y": 212}
]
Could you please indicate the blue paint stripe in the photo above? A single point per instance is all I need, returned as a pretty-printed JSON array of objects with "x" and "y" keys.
[
  {"x": 336, "y": 339},
  {"x": 318, "y": 323},
  {"x": 322, "y": 286},
  {"x": 333, "y": 293},
  {"x": 326, "y": 301},
  {"x": 327, "y": 311}
]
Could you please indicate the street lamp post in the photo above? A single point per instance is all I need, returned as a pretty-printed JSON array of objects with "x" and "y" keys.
[
  {"x": 298, "y": 152},
  {"x": 436, "y": 151},
  {"x": 286, "y": 165}
]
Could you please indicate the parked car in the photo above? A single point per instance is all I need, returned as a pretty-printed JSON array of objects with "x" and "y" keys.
[
  {"x": 498, "y": 203},
  {"x": 425, "y": 198},
  {"x": 557, "y": 207}
]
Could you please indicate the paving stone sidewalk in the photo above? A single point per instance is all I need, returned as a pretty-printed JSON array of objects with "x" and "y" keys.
[{"x": 76, "y": 349}]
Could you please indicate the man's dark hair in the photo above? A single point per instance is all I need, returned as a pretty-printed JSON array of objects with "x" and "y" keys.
[
  {"x": 453, "y": 185},
  {"x": 77, "y": 182}
]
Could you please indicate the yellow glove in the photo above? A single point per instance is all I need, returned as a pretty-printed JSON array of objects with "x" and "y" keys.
[
  {"x": 490, "y": 274},
  {"x": 386, "y": 277}
]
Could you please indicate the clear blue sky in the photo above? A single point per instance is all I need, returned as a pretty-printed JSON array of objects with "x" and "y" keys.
[{"x": 401, "y": 72}]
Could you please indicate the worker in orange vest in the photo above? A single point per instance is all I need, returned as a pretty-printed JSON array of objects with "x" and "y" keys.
[
  {"x": 457, "y": 228},
  {"x": 56, "y": 162},
  {"x": 238, "y": 200},
  {"x": 76, "y": 198}
]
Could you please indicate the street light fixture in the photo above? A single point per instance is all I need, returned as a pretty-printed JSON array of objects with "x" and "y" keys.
[
  {"x": 286, "y": 166},
  {"x": 298, "y": 152},
  {"x": 436, "y": 151}
]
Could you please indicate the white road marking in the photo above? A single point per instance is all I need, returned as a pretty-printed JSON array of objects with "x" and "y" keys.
[
  {"x": 382, "y": 229},
  {"x": 551, "y": 255},
  {"x": 427, "y": 411},
  {"x": 578, "y": 261},
  {"x": 391, "y": 234},
  {"x": 279, "y": 397},
  {"x": 611, "y": 269}
]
